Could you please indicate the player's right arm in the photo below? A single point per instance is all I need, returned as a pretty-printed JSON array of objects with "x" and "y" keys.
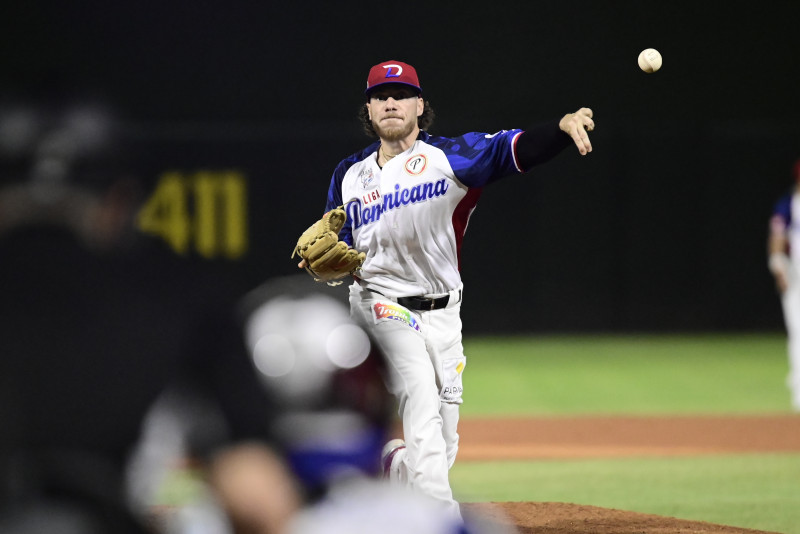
[
  {"x": 481, "y": 159},
  {"x": 542, "y": 142},
  {"x": 576, "y": 125}
]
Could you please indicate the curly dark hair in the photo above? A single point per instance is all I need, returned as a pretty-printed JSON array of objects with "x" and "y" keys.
[{"x": 424, "y": 121}]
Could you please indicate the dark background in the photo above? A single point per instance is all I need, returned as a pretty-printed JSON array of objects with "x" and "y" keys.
[{"x": 662, "y": 228}]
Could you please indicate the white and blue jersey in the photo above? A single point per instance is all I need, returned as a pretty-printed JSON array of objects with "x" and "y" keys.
[{"x": 410, "y": 216}]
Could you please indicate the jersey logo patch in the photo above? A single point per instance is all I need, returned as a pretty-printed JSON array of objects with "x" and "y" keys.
[
  {"x": 416, "y": 164},
  {"x": 365, "y": 177},
  {"x": 394, "y": 312}
]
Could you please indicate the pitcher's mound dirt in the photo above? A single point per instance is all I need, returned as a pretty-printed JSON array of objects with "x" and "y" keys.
[
  {"x": 613, "y": 437},
  {"x": 561, "y": 518}
]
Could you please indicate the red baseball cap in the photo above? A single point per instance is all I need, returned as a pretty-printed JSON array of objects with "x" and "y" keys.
[{"x": 392, "y": 72}]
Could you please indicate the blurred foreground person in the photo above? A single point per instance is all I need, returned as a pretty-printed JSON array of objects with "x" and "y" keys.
[
  {"x": 91, "y": 333},
  {"x": 328, "y": 379},
  {"x": 784, "y": 247}
]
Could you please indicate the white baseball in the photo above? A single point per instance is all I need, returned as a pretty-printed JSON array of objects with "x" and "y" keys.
[{"x": 650, "y": 60}]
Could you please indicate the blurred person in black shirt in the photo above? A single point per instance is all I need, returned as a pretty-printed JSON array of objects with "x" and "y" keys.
[{"x": 92, "y": 331}]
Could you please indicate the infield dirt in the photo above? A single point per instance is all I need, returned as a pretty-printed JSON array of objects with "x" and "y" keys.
[{"x": 609, "y": 437}]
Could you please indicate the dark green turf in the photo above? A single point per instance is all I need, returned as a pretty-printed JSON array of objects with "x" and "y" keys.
[{"x": 625, "y": 374}]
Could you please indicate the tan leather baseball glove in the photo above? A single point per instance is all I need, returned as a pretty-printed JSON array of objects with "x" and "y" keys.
[{"x": 328, "y": 258}]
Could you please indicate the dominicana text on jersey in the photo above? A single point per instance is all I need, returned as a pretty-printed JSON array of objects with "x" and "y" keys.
[{"x": 360, "y": 214}]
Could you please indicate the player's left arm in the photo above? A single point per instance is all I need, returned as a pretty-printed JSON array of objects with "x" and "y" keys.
[{"x": 335, "y": 201}]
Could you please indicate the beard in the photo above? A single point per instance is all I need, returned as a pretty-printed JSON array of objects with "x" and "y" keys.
[{"x": 394, "y": 133}]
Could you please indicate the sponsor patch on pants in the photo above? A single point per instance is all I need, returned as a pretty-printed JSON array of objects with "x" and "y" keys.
[
  {"x": 452, "y": 387},
  {"x": 394, "y": 312}
]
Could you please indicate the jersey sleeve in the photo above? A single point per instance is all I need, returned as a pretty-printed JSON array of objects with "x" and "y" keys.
[
  {"x": 335, "y": 200},
  {"x": 479, "y": 159},
  {"x": 781, "y": 215}
]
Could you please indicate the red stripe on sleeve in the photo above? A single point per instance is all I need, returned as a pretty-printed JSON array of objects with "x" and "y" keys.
[{"x": 514, "y": 152}]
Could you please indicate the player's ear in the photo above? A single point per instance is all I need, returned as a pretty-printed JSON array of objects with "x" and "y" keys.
[
  {"x": 369, "y": 111},
  {"x": 420, "y": 106}
]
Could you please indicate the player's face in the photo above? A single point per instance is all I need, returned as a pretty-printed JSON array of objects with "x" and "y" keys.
[{"x": 393, "y": 111}]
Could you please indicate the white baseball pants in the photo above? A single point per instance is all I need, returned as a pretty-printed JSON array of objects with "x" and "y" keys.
[{"x": 426, "y": 360}]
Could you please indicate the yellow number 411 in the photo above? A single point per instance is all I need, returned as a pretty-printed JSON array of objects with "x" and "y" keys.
[{"x": 205, "y": 211}]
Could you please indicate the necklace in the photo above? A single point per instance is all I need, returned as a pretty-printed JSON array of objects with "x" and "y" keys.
[{"x": 385, "y": 156}]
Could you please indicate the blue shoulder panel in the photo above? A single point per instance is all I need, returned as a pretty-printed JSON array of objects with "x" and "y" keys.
[{"x": 479, "y": 158}]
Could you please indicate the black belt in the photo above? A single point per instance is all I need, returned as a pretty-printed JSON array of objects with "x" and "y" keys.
[
  {"x": 423, "y": 303},
  {"x": 419, "y": 303}
]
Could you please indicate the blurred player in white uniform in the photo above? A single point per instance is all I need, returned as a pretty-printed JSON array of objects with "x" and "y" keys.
[
  {"x": 784, "y": 239},
  {"x": 408, "y": 198}
]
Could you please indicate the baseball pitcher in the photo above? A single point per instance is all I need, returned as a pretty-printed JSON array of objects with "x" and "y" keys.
[{"x": 396, "y": 216}]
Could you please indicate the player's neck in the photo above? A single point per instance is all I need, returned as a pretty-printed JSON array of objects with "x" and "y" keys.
[{"x": 393, "y": 147}]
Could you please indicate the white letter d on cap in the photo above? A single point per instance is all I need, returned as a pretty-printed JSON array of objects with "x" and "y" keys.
[{"x": 390, "y": 74}]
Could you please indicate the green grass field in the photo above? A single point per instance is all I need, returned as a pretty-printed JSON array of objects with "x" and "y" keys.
[{"x": 697, "y": 374}]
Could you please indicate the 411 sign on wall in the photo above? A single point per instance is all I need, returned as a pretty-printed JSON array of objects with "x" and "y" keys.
[{"x": 204, "y": 212}]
